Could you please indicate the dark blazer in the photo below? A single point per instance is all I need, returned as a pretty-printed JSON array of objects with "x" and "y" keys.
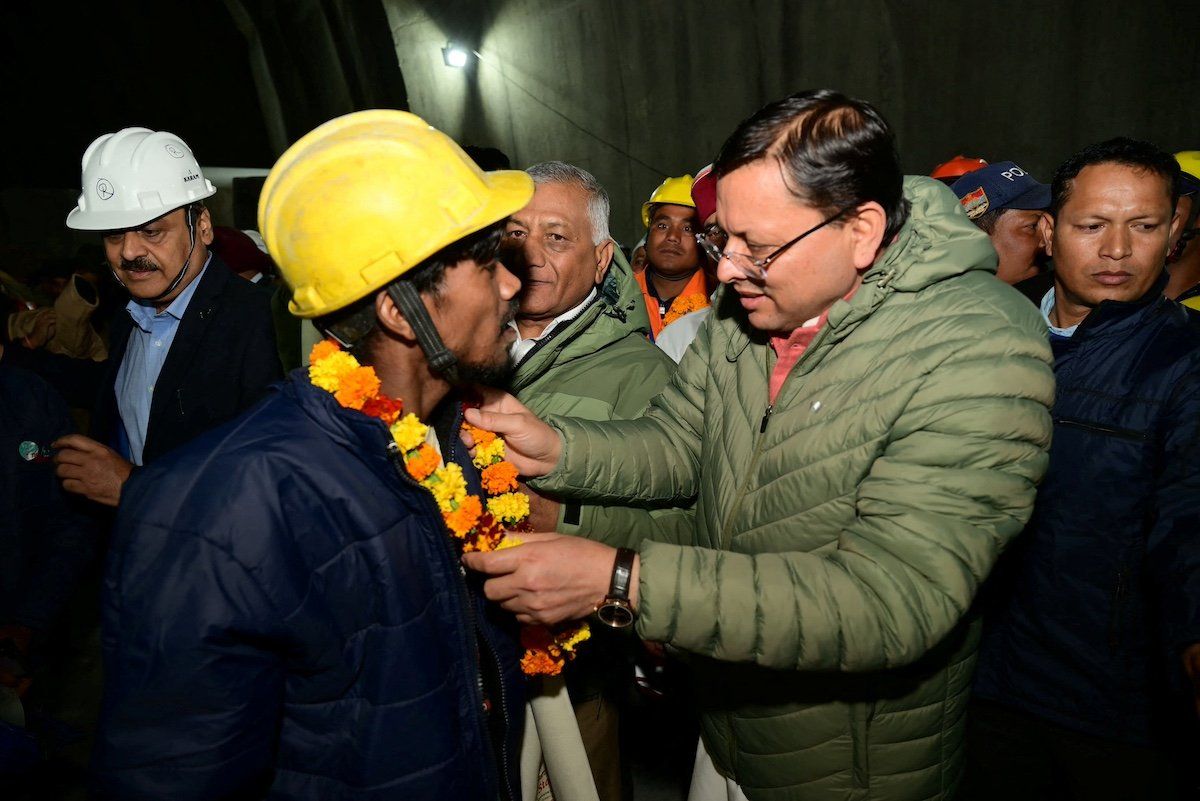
[
  {"x": 221, "y": 361},
  {"x": 285, "y": 615}
]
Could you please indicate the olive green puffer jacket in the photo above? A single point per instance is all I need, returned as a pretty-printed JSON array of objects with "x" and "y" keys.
[{"x": 840, "y": 541}]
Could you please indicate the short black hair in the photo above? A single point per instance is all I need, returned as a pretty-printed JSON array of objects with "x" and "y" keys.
[
  {"x": 356, "y": 324},
  {"x": 986, "y": 222},
  {"x": 1141, "y": 156},
  {"x": 488, "y": 158},
  {"x": 835, "y": 151}
]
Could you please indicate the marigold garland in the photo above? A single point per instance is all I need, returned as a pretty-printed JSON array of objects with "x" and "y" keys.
[
  {"x": 684, "y": 304},
  {"x": 479, "y": 525}
]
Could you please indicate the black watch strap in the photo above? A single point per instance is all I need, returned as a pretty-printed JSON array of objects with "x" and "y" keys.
[{"x": 622, "y": 572}]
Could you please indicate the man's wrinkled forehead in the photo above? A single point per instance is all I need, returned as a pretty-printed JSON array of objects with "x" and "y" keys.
[
  {"x": 554, "y": 203},
  {"x": 167, "y": 220},
  {"x": 1111, "y": 187}
]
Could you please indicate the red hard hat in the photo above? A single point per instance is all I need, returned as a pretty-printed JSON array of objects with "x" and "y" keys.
[
  {"x": 704, "y": 194},
  {"x": 957, "y": 167}
]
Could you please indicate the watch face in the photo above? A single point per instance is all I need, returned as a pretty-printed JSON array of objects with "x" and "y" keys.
[{"x": 615, "y": 614}]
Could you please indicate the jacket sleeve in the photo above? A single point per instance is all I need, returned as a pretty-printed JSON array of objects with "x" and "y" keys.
[
  {"x": 652, "y": 460},
  {"x": 193, "y": 672},
  {"x": 1173, "y": 547},
  {"x": 628, "y": 527},
  {"x": 955, "y": 482}
]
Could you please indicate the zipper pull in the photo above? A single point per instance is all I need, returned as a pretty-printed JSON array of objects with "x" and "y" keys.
[{"x": 762, "y": 428}]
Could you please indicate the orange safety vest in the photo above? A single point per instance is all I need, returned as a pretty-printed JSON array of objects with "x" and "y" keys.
[{"x": 695, "y": 292}]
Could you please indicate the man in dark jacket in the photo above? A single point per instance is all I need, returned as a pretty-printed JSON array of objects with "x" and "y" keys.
[
  {"x": 1091, "y": 652},
  {"x": 195, "y": 345},
  {"x": 285, "y": 611}
]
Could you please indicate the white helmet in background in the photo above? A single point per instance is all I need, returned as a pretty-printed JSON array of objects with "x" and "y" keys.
[{"x": 134, "y": 176}]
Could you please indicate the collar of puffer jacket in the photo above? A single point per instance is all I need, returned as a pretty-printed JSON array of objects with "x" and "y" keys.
[
  {"x": 365, "y": 436},
  {"x": 937, "y": 242}
]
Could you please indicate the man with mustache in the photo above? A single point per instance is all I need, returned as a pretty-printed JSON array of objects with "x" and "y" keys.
[
  {"x": 1090, "y": 665},
  {"x": 673, "y": 283},
  {"x": 285, "y": 614},
  {"x": 864, "y": 420},
  {"x": 194, "y": 346}
]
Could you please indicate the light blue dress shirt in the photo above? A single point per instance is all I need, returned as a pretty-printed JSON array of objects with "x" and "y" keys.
[
  {"x": 1047, "y": 307},
  {"x": 149, "y": 342}
]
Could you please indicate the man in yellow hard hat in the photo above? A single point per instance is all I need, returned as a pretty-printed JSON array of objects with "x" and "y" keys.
[
  {"x": 1183, "y": 262},
  {"x": 673, "y": 283},
  {"x": 285, "y": 613}
]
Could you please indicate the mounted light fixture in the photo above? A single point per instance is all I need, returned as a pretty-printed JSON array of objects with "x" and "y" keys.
[{"x": 455, "y": 55}]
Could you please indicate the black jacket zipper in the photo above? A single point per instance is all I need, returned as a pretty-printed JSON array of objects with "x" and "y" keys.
[
  {"x": 471, "y": 643},
  {"x": 482, "y": 635},
  {"x": 1115, "y": 626},
  {"x": 553, "y": 337},
  {"x": 1123, "y": 433}
]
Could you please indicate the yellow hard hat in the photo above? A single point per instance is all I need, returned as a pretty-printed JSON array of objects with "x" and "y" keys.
[
  {"x": 1189, "y": 162},
  {"x": 677, "y": 191},
  {"x": 364, "y": 198}
]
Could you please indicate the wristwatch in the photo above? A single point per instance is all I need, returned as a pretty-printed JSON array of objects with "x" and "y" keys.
[{"x": 615, "y": 610}]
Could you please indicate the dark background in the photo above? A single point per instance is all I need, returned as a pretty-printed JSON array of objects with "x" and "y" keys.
[{"x": 632, "y": 90}]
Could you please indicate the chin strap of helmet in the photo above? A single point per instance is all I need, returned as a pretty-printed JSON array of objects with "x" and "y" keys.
[
  {"x": 409, "y": 302},
  {"x": 191, "y": 224}
]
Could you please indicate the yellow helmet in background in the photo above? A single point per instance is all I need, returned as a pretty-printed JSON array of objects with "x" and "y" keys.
[
  {"x": 677, "y": 191},
  {"x": 1189, "y": 162},
  {"x": 364, "y": 198}
]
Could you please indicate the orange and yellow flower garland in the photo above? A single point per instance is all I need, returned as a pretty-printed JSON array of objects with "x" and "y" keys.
[
  {"x": 479, "y": 528},
  {"x": 685, "y": 304}
]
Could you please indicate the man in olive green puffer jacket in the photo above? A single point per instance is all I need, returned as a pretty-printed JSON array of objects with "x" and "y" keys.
[{"x": 864, "y": 419}]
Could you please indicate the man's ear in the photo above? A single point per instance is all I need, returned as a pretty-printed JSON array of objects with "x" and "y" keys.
[
  {"x": 866, "y": 231},
  {"x": 1046, "y": 229},
  {"x": 204, "y": 227},
  {"x": 604, "y": 257},
  {"x": 391, "y": 319},
  {"x": 1176, "y": 224}
]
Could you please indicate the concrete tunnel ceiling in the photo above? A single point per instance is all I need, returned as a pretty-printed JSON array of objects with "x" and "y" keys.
[{"x": 630, "y": 91}]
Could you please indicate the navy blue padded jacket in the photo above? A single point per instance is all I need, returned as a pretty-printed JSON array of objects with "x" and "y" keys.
[
  {"x": 285, "y": 616},
  {"x": 1098, "y": 597}
]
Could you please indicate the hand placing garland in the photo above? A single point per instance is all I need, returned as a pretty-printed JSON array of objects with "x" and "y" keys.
[{"x": 478, "y": 526}]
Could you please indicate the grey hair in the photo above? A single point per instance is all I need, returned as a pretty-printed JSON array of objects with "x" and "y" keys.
[{"x": 559, "y": 172}]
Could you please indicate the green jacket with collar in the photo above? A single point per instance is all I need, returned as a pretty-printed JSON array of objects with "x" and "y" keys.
[{"x": 840, "y": 541}]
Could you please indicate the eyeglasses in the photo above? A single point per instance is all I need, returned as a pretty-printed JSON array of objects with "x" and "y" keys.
[{"x": 750, "y": 266}]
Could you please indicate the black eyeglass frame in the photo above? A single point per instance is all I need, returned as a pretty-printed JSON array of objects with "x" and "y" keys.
[{"x": 741, "y": 260}]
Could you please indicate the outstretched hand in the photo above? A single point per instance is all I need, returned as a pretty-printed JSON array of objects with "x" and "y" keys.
[
  {"x": 550, "y": 577},
  {"x": 530, "y": 445}
]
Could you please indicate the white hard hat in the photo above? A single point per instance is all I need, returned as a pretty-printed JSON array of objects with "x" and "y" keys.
[{"x": 134, "y": 176}]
